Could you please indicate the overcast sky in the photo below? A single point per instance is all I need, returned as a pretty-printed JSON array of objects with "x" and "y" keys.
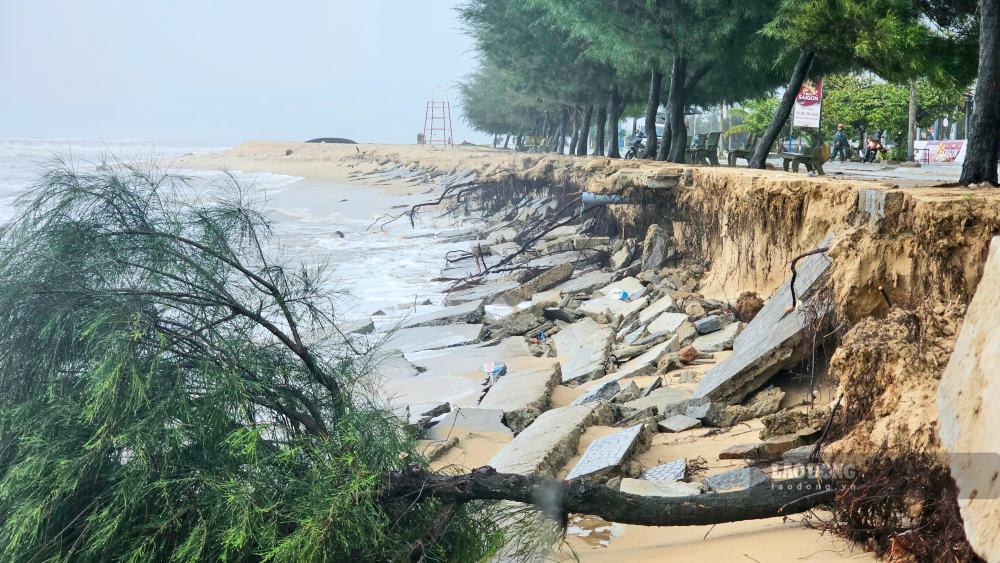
[{"x": 223, "y": 71}]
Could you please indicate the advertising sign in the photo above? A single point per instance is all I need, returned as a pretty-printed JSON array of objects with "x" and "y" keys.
[{"x": 808, "y": 104}]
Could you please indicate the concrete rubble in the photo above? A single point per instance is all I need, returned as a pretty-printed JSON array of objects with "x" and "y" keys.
[
  {"x": 550, "y": 441},
  {"x": 675, "y": 470},
  {"x": 606, "y": 454},
  {"x": 583, "y": 350},
  {"x": 470, "y": 312}
]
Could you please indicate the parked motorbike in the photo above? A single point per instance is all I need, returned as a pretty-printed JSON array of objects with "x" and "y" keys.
[{"x": 639, "y": 143}]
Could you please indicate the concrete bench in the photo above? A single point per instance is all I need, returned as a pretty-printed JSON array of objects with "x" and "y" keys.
[{"x": 813, "y": 159}]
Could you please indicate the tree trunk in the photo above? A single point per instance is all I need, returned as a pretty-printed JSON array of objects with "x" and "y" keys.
[
  {"x": 652, "y": 105},
  {"x": 581, "y": 143},
  {"x": 561, "y": 141},
  {"x": 675, "y": 112},
  {"x": 496, "y": 139},
  {"x": 506, "y": 140},
  {"x": 759, "y": 159},
  {"x": 614, "y": 114},
  {"x": 558, "y": 498},
  {"x": 984, "y": 132},
  {"x": 665, "y": 142},
  {"x": 911, "y": 121},
  {"x": 602, "y": 120},
  {"x": 575, "y": 137}
]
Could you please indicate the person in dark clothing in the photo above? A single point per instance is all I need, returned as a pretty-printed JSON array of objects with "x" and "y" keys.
[
  {"x": 839, "y": 144},
  {"x": 873, "y": 147}
]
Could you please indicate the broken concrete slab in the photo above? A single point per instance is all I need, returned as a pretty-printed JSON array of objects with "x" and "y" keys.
[
  {"x": 522, "y": 395},
  {"x": 393, "y": 365},
  {"x": 645, "y": 363},
  {"x": 550, "y": 441},
  {"x": 674, "y": 470},
  {"x": 468, "y": 419},
  {"x": 667, "y": 322},
  {"x": 470, "y": 313},
  {"x": 583, "y": 349},
  {"x": 741, "y": 451},
  {"x": 612, "y": 308},
  {"x": 717, "y": 341},
  {"x": 358, "y": 327},
  {"x": 667, "y": 400},
  {"x": 546, "y": 280},
  {"x": 771, "y": 341},
  {"x": 655, "y": 308},
  {"x": 606, "y": 454},
  {"x": 630, "y": 285},
  {"x": 628, "y": 393},
  {"x": 708, "y": 325},
  {"x": 586, "y": 283},
  {"x": 777, "y": 445},
  {"x": 486, "y": 292},
  {"x": 679, "y": 423},
  {"x": 432, "y": 337},
  {"x": 519, "y": 322},
  {"x": 656, "y": 384},
  {"x": 659, "y": 488},
  {"x": 742, "y": 478},
  {"x": 601, "y": 392},
  {"x": 879, "y": 204},
  {"x": 764, "y": 402},
  {"x": 657, "y": 248},
  {"x": 550, "y": 298}
]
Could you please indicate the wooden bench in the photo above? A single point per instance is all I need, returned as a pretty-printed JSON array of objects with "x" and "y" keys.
[
  {"x": 708, "y": 153},
  {"x": 746, "y": 153},
  {"x": 693, "y": 148},
  {"x": 812, "y": 158}
]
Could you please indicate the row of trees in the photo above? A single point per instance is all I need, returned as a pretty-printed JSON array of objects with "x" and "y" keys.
[{"x": 553, "y": 67}]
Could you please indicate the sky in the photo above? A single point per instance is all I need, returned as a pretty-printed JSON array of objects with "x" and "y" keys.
[{"x": 224, "y": 71}]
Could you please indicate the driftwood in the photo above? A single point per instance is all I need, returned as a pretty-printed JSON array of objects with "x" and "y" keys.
[{"x": 558, "y": 498}]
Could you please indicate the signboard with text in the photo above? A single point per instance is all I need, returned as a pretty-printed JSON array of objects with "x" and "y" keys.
[{"x": 808, "y": 104}]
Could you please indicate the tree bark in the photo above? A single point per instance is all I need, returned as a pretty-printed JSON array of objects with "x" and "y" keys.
[
  {"x": 575, "y": 137},
  {"x": 675, "y": 112},
  {"x": 581, "y": 143},
  {"x": 495, "y": 140},
  {"x": 561, "y": 141},
  {"x": 558, "y": 498},
  {"x": 911, "y": 121},
  {"x": 614, "y": 115},
  {"x": 759, "y": 159},
  {"x": 652, "y": 105},
  {"x": 665, "y": 142},
  {"x": 602, "y": 119},
  {"x": 506, "y": 140},
  {"x": 984, "y": 135}
]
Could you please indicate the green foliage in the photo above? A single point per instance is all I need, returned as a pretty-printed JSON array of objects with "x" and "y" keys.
[
  {"x": 171, "y": 394},
  {"x": 863, "y": 102}
]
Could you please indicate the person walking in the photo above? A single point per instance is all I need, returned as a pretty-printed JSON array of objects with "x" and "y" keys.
[{"x": 839, "y": 144}]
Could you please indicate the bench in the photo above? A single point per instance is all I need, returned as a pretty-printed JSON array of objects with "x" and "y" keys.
[
  {"x": 708, "y": 153},
  {"x": 693, "y": 148},
  {"x": 746, "y": 153},
  {"x": 812, "y": 158}
]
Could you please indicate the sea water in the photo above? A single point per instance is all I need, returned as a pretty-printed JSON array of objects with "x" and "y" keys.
[{"x": 373, "y": 269}]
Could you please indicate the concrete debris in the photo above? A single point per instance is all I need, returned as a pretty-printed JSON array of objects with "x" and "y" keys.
[
  {"x": 468, "y": 419},
  {"x": 546, "y": 280},
  {"x": 675, "y": 470},
  {"x": 765, "y": 402},
  {"x": 612, "y": 309},
  {"x": 432, "y": 337},
  {"x": 550, "y": 441},
  {"x": 586, "y": 283},
  {"x": 798, "y": 455},
  {"x": 359, "y": 327},
  {"x": 583, "y": 349},
  {"x": 667, "y": 322},
  {"x": 679, "y": 423},
  {"x": 777, "y": 445},
  {"x": 659, "y": 488},
  {"x": 657, "y": 248},
  {"x": 717, "y": 341},
  {"x": 645, "y": 363},
  {"x": 486, "y": 292},
  {"x": 708, "y": 325},
  {"x": 629, "y": 393},
  {"x": 470, "y": 312},
  {"x": 667, "y": 400},
  {"x": 771, "y": 341},
  {"x": 606, "y": 454},
  {"x": 741, "y": 451},
  {"x": 522, "y": 395},
  {"x": 601, "y": 392},
  {"x": 742, "y": 478},
  {"x": 793, "y": 422},
  {"x": 656, "y": 384},
  {"x": 621, "y": 258},
  {"x": 550, "y": 298},
  {"x": 661, "y": 305}
]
